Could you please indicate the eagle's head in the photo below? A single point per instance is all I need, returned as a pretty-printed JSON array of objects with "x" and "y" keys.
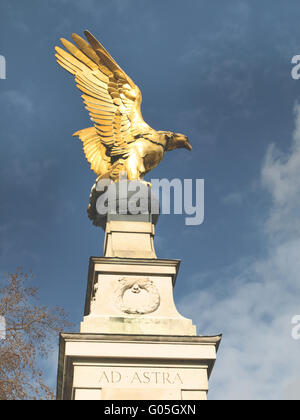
[{"x": 175, "y": 141}]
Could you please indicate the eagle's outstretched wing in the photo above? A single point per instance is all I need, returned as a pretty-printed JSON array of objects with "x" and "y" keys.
[{"x": 110, "y": 96}]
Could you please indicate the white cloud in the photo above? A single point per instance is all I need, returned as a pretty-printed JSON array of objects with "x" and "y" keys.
[
  {"x": 281, "y": 176},
  {"x": 253, "y": 305},
  {"x": 233, "y": 198},
  {"x": 18, "y": 102}
]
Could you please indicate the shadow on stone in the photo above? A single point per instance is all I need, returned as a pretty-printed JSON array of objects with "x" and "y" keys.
[{"x": 132, "y": 201}]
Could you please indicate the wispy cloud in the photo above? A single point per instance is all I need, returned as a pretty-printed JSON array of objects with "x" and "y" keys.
[
  {"x": 253, "y": 305},
  {"x": 233, "y": 198},
  {"x": 17, "y": 102},
  {"x": 281, "y": 177}
]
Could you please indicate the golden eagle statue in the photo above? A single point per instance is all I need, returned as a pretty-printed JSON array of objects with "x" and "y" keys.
[{"x": 120, "y": 142}]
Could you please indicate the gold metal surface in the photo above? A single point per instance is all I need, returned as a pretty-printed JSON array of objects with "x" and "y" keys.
[{"x": 120, "y": 142}]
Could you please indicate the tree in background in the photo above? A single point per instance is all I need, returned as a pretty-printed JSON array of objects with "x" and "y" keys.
[{"x": 30, "y": 331}]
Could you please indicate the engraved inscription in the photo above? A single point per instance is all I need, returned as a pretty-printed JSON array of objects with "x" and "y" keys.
[
  {"x": 112, "y": 377},
  {"x": 153, "y": 377}
]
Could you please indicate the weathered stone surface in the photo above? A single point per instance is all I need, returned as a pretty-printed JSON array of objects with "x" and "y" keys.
[
  {"x": 133, "y": 296},
  {"x": 148, "y": 367},
  {"x": 127, "y": 239}
]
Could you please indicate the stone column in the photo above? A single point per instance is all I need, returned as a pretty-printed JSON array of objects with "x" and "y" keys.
[{"x": 133, "y": 343}]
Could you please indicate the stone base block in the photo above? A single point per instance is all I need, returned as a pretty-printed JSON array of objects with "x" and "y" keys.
[
  {"x": 134, "y": 325},
  {"x": 129, "y": 239},
  {"x": 134, "y": 367},
  {"x": 133, "y": 296}
]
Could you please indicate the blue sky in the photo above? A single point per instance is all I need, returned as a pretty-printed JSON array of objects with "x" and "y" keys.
[{"x": 217, "y": 71}]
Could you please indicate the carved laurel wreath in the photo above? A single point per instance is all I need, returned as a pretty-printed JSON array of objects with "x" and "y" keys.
[{"x": 135, "y": 284}]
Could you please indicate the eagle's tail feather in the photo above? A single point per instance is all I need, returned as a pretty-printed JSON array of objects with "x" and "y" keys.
[{"x": 94, "y": 150}]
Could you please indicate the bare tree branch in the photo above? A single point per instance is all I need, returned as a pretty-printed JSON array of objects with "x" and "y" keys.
[{"x": 29, "y": 334}]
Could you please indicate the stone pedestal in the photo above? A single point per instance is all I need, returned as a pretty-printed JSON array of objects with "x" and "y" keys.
[
  {"x": 129, "y": 239},
  {"x": 133, "y": 296},
  {"x": 135, "y": 366},
  {"x": 133, "y": 343}
]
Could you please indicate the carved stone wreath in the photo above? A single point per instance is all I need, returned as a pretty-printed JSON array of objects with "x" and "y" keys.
[{"x": 137, "y": 286}]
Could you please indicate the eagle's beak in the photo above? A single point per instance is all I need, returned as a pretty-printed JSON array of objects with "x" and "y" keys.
[{"x": 188, "y": 146}]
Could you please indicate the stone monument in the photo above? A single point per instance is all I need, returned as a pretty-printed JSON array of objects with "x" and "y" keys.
[{"x": 133, "y": 343}]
